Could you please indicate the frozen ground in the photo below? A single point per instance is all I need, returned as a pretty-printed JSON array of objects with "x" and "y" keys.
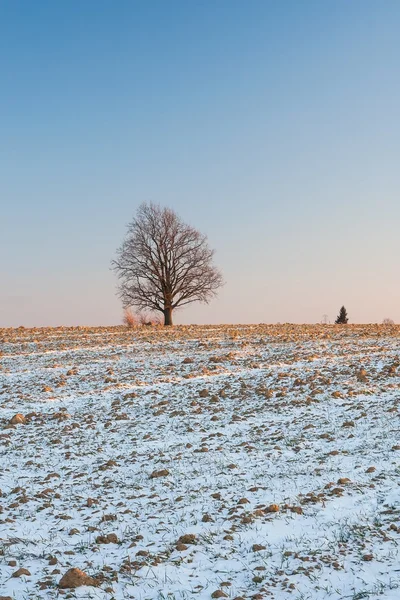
[{"x": 274, "y": 450}]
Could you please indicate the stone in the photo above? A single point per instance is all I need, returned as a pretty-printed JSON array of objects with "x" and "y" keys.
[
  {"x": 219, "y": 594},
  {"x": 272, "y": 508},
  {"x": 21, "y": 572},
  {"x": 162, "y": 473},
  {"x": 188, "y": 538},
  {"x": 75, "y": 578},
  {"x": 18, "y": 419}
]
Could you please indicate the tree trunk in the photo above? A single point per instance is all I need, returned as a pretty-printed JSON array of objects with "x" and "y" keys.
[{"x": 168, "y": 316}]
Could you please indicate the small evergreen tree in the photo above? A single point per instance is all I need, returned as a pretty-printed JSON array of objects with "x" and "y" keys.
[{"x": 342, "y": 318}]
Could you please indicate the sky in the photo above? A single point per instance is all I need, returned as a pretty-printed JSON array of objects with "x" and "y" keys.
[{"x": 271, "y": 126}]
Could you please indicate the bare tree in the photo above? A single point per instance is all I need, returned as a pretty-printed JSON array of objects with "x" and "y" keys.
[
  {"x": 387, "y": 321},
  {"x": 163, "y": 263}
]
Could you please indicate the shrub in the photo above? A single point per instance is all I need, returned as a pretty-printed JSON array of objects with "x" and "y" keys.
[
  {"x": 129, "y": 318},
  {"x": 149, "y": 320}
]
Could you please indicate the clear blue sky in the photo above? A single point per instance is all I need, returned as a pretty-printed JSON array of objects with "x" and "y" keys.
[{"x": 271, "y": 126}]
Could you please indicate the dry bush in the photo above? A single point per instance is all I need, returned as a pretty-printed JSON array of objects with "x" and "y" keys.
[
  {"x": 149, "y": 320},
  {"x": 387, "y": 321},
  {"x": 129, "y": 319}
]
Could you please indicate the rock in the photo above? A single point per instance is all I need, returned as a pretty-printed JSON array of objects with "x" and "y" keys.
[
  {"x": 207, "y": 518},
  {"x": 296, "y": 509},
  {"x": 188, "y": 538},
  {"x": 257, "y": 547},
  {"x": 162, "y": 473},
  {"x": 21, "y": 572},
  {"x": 18, "y": 419},
  {"x": 181, "y": 547},
  {"x": 74, "y": 578},
  {"x": 110, "y": 538},
  {"x": 368, "y": 557},
  {"x": 361, "y": 375},
  {"x": 109, "y": 518},
  {"x": 219, "y": 594}
]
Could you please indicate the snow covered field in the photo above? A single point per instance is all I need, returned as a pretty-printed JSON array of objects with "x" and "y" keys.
[{"x": 201, "y": 462}]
